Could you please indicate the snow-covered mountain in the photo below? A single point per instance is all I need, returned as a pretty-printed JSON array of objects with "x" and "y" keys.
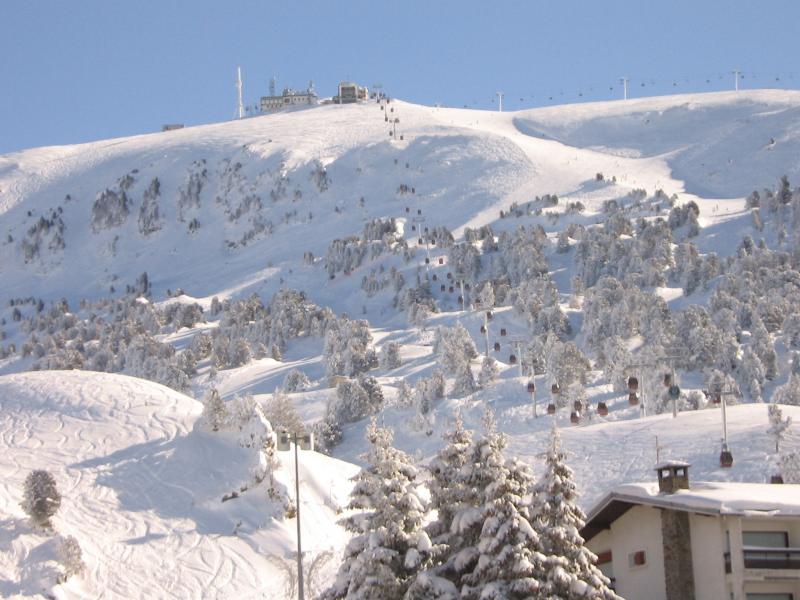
[
  {"x": 265, "y": 190},
  {"x": 547, "y": 205}
]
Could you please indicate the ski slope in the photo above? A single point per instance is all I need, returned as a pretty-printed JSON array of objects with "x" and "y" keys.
[{"x": 141, "y": 491}]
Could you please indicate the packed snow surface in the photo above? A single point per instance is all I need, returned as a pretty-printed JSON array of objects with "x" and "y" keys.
[{"x": 141, "y": 492}]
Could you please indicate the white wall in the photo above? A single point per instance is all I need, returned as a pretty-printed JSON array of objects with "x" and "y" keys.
[
  {"x": 639, "y": 529},
  {"x": 708, "y": 562}
]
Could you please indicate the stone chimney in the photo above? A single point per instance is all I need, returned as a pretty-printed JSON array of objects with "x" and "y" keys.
[{"x": 672, "y": 476}]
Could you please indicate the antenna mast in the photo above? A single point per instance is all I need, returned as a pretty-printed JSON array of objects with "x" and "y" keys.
[
  {"x": 500, "y": 101},
  {"x": 624, "y": 81},
  {"x": 239, "y": 105},
  {"x": 736, "y": 73}
]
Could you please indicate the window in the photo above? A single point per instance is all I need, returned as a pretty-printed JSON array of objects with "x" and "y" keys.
[
  {"x": 779, "y": 596},
  {"x": 637, "y": 559},
  {"x": 766, "y": 539}
]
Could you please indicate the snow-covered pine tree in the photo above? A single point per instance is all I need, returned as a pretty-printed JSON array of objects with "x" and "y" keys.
[
  {"x": 752, "y": 374},
  {"x": 789, "y": 392},
  {"x": 390, "y": 356},
  {"x": 405, "y": 394},
  {"x": 453, "y": 347},
  {"x": 465, "y": 380},
  {"x": 327, "y": 433},
  {"x": 281, "y": 413},
  {"x": 352, "y": 402},
  {"x": 488, "y": 372},
  {"x": 790, "y": 467},
  {"x": 214, "y": 415},
  {"x": 447, "y": 496},
  {"x": 777, "y": 425},
  {"x": 482, "y": 469},
  {"x": 486, "y": 297},
  {"x": 374, "y": 391},
  {"x": 501, "y": 553},
  {"x": 40, "y": 497},
  {"x": 571, "y": 570},
  {"x": 389, "y": 543},
  {"x": 71, "y": 557},
  {"x": 764, "y": 348},
  {"x": 295, "y": 381},
  {"x": 446, "y": 489}
]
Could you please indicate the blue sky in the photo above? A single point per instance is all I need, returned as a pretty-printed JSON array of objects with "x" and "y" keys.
[{"x": 74, "y": 71}]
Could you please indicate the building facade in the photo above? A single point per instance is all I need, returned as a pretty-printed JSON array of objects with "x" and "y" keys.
[
  {"x": 708, "y": 541},
  {"x": 349, "y": 93},
  {"x": 289, "y": 98}
]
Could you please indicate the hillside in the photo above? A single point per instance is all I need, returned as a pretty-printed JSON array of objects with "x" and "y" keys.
[
  {"x": 142, "y": 494},
  {"x": 275, "y": 257},
  {"x": 253, "y": 184}
]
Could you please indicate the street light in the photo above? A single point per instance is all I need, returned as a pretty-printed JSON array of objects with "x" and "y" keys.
[{"x": 306, "y": 442}]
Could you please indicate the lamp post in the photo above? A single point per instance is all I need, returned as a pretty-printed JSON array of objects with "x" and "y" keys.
[{"x": 306, "y": 440}]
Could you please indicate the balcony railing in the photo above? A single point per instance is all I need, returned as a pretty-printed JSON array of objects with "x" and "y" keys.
[{"x": 756, "y": 557}]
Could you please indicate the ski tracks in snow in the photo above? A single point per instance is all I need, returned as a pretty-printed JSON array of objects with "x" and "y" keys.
[{"x": 111, "y": 442}]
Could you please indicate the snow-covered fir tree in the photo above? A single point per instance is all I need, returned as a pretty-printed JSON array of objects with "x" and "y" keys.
[
  {"x": 454, "y": 348},
  {"x": 571, "y": 570},
  {"x": 389, "y": 542},
  {"x": 752, "y": 374},
  {"x": 70, "y": 556},
  {"x": 40, "y": 497},
  {"x": 488, "y": 372},
  {"x": 777, "y": 425},
  {"x": 389, "y": 357},
  {"x": 295, "y": 381},
  {"x": 447, "y": 496},
  {"x": 789, "y": 392},
  {"x": 215, "y": 414},
  {"x": 500, "y": 554},
  {"x": 281, "y": 413},
  {"x": 790, "y": 467},
  {"x": 405, "y": 394},
  {"x": 465, "y": 380}
]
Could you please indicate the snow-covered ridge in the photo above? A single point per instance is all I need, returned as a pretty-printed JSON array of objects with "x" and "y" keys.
[{"x": 232, "y": 196}]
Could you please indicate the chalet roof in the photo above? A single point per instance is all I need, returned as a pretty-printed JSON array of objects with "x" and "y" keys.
[{"x": 706, "y": 498}]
